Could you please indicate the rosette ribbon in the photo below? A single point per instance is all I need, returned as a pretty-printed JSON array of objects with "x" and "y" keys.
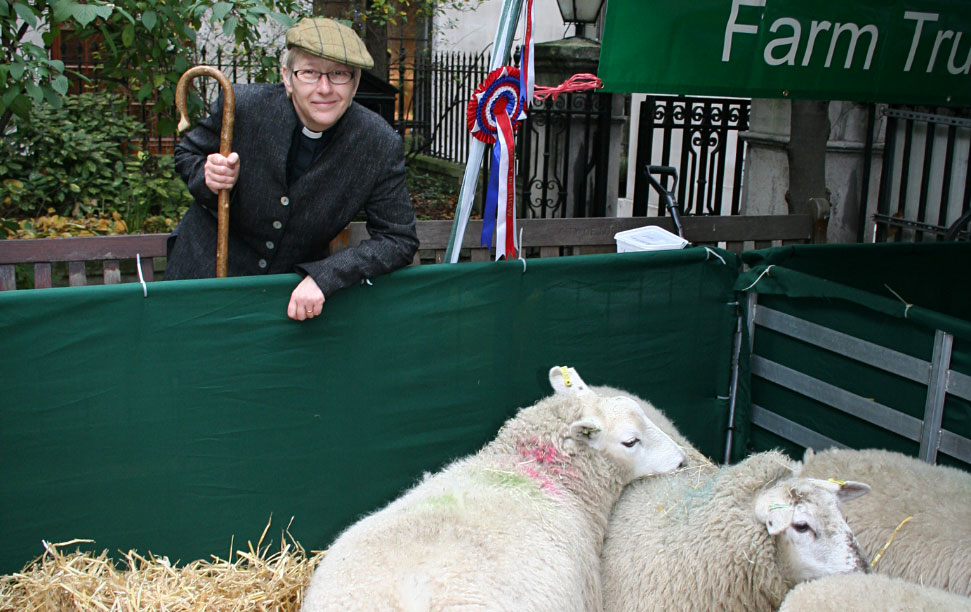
[
  {"x": 494, "y": 113},
  {"x": 527, "y": 78}
]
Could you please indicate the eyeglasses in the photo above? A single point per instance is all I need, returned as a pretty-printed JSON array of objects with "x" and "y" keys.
[{"x": 336, "y": 77}]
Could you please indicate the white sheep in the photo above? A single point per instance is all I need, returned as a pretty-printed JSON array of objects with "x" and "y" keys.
[
  {"x": 848, "y": 592},
  {"x": 731, "y": 538},
  {"x": 656, "y": 416},
  {"x": 517, "y": 526},
  {"x": 917, "y": 522}
]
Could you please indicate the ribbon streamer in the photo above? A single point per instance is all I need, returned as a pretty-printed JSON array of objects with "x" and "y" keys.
[
  {"x": 527, "y": 72},
  {"x": 494, "y": 113},
  {"x": 506, "y": 195}
]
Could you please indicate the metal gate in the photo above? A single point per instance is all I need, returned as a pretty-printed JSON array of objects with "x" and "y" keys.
[{"x": 925, "y": 184}]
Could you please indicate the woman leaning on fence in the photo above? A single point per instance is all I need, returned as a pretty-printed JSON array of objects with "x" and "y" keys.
[{"x": 306, "y": 160}]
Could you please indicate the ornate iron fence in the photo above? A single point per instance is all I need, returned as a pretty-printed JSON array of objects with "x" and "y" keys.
[
  {"x": 435, "y": 116},
  {"x": 699, "y": 137},
  {"x": 563, "y": 146},
  {"x": 563, "y": 156}
]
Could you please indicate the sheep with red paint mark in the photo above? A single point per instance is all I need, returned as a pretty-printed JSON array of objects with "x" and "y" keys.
[{"x": 516, "y": 526}]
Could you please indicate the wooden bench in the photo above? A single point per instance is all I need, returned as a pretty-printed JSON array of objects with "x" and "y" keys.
[{"x": 540, "y": 238}]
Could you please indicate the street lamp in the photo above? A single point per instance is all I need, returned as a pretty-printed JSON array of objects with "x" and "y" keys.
[{"x": 580, "y": 13}]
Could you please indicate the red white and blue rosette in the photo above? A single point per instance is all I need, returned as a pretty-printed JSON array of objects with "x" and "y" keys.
[{"x": 494, "y": 113}]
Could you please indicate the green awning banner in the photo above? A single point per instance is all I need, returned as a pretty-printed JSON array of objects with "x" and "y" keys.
[{"x": 892, "y": 51}]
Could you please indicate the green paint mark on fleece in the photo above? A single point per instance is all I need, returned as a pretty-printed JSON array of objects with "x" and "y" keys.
[
  {"x": 515, "y": 480},
  {"x": 446, "y": 500}
]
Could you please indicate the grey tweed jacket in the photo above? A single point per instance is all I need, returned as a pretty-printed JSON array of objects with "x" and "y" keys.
[{"x": 276, "y": 228}]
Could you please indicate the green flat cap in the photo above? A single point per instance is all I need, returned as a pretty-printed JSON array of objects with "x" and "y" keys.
[{"x": 331, "y": 40}]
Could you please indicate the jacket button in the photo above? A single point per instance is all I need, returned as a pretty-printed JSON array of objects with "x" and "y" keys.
[
  {"x": 261, "y": 263},
  {"x": 277, "y": 225},
  {"x": 285, "y": 200},
  {"x": 269, "y": 244}
]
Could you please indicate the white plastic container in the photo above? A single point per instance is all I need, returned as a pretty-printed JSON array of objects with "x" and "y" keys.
[{"x": 648, "y": 238}]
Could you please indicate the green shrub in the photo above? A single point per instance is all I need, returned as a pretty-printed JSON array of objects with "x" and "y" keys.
[
  {"x": 156, "y": 197},
  {"x": 82, "y": 159}
]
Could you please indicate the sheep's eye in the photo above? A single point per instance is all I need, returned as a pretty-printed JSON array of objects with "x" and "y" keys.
[
  {"x": 801, "y": 527},
  {"x": 631, "y": 443}
]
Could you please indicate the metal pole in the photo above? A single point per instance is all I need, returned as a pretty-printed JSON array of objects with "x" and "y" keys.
[
  {"x": 733, "y": 394},
  {"x": 508, "y": 22},
  {"x": 930, "y": 432}
]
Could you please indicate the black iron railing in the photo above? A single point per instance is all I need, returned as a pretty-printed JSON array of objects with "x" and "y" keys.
[
  {"x": 699, "y": 137},
  {"x": 562, "y": 147},
  {"x": 925, "y": 183},
  {"x": 563, "y": 151},
  {"x": 443, "y": 85}
]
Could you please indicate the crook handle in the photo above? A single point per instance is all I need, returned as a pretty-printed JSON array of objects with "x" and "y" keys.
[{"x": 225, "y": 148}]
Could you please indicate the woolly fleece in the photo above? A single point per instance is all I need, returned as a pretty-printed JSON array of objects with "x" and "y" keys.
[
  {"x": 859, "y": 592},
  {"x": 690, "y": 541}
]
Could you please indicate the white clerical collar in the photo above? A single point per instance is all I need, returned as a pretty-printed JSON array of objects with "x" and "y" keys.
[{"x": 311, "y": 134}]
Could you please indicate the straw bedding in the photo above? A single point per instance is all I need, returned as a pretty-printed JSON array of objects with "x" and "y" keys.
[{"x": 257, "y": 579}]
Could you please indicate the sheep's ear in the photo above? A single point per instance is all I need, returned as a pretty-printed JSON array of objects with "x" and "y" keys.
[
  {"x": 565, "y": 380},
  {"x": 798, "y": 466},
  {"x": 587, "y": 430},
  {"x": 853, "y": 489},
  {"x": 846, "y": 489},
  {"x": 774, "y": 508}
]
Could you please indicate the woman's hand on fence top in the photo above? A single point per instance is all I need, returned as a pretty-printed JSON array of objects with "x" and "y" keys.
[
  {"x": 306, "y": 301},
  {"x": 221, "y": 172}
]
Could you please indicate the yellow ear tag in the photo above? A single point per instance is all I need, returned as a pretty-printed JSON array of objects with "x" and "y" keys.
[
  {"x": 565, "y": 373},
  {"x": 841, "y": 483}
]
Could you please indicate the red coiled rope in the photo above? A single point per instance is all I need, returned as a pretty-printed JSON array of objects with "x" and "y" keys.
[{"x": 577, "y": 82}]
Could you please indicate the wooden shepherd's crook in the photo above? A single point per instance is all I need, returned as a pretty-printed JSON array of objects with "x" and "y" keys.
[{"x": 225, "y": 147}]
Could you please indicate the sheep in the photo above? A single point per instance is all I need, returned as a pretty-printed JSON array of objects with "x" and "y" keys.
[
  {"x": 516, "y": 526},
  {"x": 842, "y": 592},
  {"x": 730, "y": 538},
  {"x": 694, "y": 456},
  {"x": 917, "y": 523}
]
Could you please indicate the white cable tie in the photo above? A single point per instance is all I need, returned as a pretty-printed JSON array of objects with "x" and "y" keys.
[
  {"x": 138, "y": 264},
  {"x": 710, "y": 252},
  {"x": 907, "y": 304},
  {"x": 764, "y": 272}
]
